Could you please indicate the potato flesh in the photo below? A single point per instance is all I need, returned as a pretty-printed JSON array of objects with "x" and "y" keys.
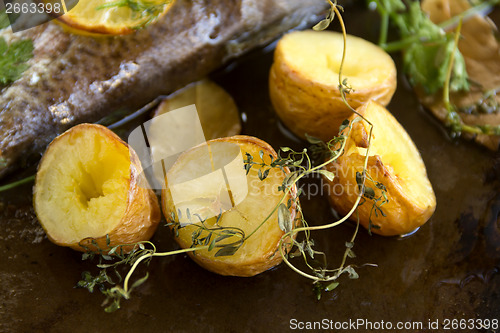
[
  {"x": 217, "y": 110},
  {"x": 262, "y": 198},
  {"x": 311, "y": 52},
  {"x": 84, "y": 182}
]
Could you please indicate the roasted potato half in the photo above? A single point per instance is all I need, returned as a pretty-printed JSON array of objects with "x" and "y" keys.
[
  {"x": 304, "y": 80},
  {"x": 210, "y": 181},
  {"x": 87, "y": 187},
  {"x": 395, "y": 162},
  {"x": 217, "y": 110}
]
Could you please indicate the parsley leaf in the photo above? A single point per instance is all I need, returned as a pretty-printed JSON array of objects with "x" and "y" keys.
[
  {"x": 13, "y": 59},
  {"x": 13, "y": 56},
  {"x": 427, "y": 47}
]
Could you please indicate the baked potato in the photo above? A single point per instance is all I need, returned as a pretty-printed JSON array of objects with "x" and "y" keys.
[
  {"x": 304, "y": 80},
  {"x": 210, "y": 181},
  {"x": 88, "y": 186},
  {"x": 217, "y": 110},
  {"x": 394, "y": 162}
]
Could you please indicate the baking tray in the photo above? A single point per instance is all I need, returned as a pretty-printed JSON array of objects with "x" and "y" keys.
[{"x": 447, "y": 270}]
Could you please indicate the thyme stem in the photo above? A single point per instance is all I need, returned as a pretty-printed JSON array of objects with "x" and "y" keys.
[
  {"x": 17, "y": 183},
  {"x": 307, "y": 229},
  {"x": 453, "y": 117},
  {"x": 336, "y": 147},
  {"x": 384, "y": 27},
  {"x": 155, "y": 254}
]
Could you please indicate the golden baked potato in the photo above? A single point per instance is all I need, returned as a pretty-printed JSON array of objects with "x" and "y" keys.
[
  {"x": 217, "y": 110},
  {"x": 87, "y": 187},
  {"x": 304, "y": 80},
  {"x": 395, "y": 162},
  {"x": 210, "y": 181}
]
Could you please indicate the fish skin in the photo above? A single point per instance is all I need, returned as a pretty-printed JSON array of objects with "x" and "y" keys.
[{"x": 74, "y": 79}]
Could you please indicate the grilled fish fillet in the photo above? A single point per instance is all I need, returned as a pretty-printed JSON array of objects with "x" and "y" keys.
[{"x": 74, "y": 79}]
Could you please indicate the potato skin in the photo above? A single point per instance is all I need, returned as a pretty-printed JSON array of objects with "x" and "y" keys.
[
  {"x": 142, "y": 213},
  {"x": 403, "y": 214},
  {"x": 306, "y": 105},
  {"x": 237, "y": 266}
]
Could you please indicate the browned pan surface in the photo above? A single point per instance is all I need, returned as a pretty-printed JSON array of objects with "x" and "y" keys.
[{"x": 448, "y": 269}]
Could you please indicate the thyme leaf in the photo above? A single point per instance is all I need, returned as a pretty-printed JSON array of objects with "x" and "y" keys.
[
  {"x": 295, "y": 165},
  {"x": 13, "y": 56}
]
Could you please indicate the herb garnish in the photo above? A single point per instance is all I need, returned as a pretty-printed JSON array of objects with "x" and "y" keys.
[
  {"x": 204, "y": 237},
  {"x": 432, "y": 60},
  {"x": 423, "y": 42},
  {"x": 13, "y": 59},
  {"x": 13, "y": 56},
  {"x": 17, "y": 183}
]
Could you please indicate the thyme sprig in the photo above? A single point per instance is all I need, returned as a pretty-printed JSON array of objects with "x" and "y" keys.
[
  {"x": 325, "y": 279},
  {"x": 453, "y": 119},
  {"x": 111, "y": 258},
  {"x": 17, "y": 183},
  {"x": 205, "y": 235},
  {"x": 295, "y": 165}
]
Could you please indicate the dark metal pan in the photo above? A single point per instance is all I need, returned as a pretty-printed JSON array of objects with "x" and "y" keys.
[{"x": 448, "y": 270}]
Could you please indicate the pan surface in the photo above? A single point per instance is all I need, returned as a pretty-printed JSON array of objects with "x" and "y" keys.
[{"x": 447, "y": 270}]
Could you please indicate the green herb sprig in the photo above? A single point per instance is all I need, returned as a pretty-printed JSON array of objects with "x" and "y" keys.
[
  {"x": 431, "y": 56},
  {"x": 425, "y": 45},
  {"x": 325, "y": 279},
  {"x": 295, "y": 166},
  {"x": 13, "y": 56},
  {"x": 123, "y": 255},
  {"x": 17, "y": 183},
  {"x": 453, "y": 119}
]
